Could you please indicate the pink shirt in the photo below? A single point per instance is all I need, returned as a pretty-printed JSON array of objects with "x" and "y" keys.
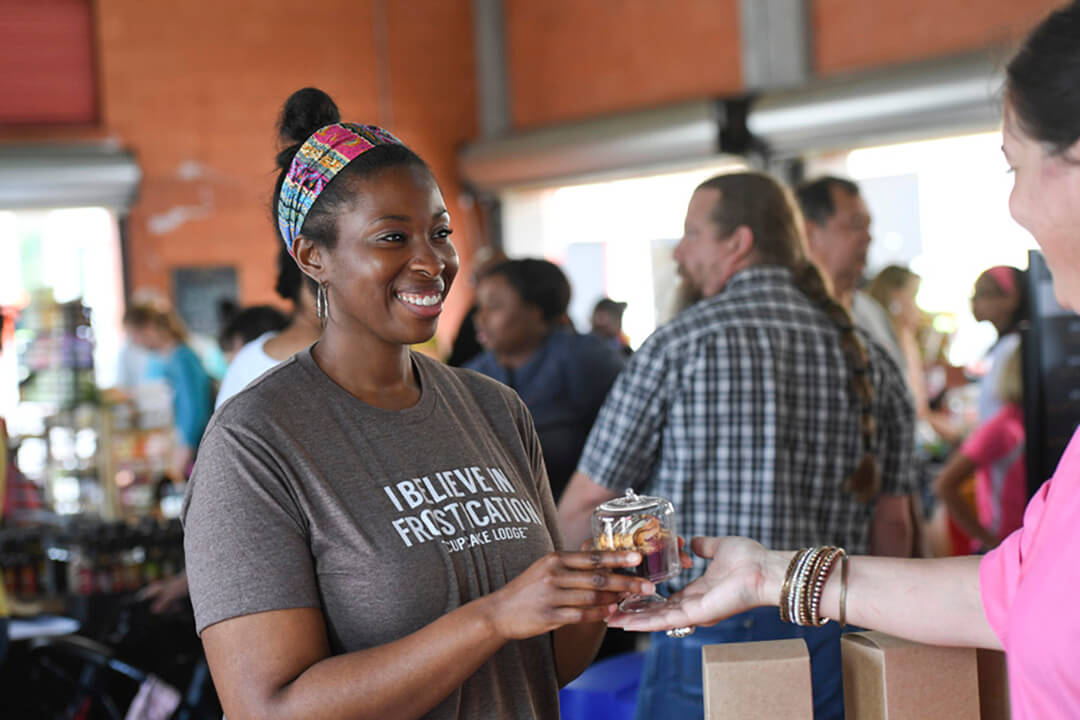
[
  {"x": 1030, "y": 586},
  {"x": 997, "y": 448}
]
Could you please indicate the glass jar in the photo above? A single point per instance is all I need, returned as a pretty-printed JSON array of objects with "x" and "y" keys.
[{"x": 644, "y": 524}]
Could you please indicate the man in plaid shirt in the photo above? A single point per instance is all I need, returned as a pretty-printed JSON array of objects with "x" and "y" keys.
[{"x": 759, "y": 411}]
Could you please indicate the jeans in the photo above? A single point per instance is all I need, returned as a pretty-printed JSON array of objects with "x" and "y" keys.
[{"x": 671, "y": 681}]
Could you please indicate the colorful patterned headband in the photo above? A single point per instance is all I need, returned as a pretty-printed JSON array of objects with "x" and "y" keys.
[
  {"x": 319, "y": 159},
  {"x": 1003, "y": 276}
]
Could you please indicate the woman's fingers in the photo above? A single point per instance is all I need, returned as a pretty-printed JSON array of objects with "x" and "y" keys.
[
  {"x": 593, "y": 569},
  {"x": 603, "y": 579},
  {"x": 588, "y": 559}
]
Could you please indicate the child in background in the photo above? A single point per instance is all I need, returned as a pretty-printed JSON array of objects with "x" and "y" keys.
[{"x": 995, "y": 453}]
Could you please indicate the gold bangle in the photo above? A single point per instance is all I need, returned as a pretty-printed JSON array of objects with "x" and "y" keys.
[{"x": 843, "y": 590}]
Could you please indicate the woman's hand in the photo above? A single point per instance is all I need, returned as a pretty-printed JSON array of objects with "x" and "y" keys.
[
  {"x": 564, "y": 588},
  {"x": 732, "y": 583}
]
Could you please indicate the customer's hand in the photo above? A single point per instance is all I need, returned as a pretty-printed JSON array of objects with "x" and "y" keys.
[
  {"x": 731, "y": 584},
  {"x": 563, "y": 588},
  {"x": 165, "y": 595}
]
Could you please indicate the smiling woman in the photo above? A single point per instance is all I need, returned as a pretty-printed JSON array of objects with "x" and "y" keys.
[{"x": 369, "y": 533}]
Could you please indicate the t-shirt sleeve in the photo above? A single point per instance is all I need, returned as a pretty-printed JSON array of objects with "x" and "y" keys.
[
  {"x": 896, "y": 432},
  {"x": 990, "y": 441},
  {"x": 245, "y": 541},
  {"x": 624, "y": 442},
  {"x": 1001, "y": 568}
]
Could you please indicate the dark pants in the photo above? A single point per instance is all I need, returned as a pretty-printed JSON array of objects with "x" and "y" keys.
[{"x": 671, "y": 680}]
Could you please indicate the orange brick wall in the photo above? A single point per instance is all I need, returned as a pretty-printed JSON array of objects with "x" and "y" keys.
[
  {"x": 202, "y": 81},
  {"x": 570, "y": 59},
  {"x": 854, "y": 34}
]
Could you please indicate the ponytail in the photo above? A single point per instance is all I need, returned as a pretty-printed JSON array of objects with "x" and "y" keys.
[{"x": 865, "y": 482}]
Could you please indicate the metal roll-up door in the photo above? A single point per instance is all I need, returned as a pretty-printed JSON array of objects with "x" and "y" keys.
[
  {"x": 907, "y": 102},
  {"x": 58, "y": 176},
  {"x": 920, "y": 100},
  {"x": 634, "y": 141}
]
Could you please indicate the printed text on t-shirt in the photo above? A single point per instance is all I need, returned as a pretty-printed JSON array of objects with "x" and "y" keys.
[{"x": 461, "y": 508}]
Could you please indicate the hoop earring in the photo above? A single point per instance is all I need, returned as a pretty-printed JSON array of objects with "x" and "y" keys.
[{"x": 322, "y": 304}]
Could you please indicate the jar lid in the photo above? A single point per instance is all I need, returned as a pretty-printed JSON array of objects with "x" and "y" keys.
[{"x": 631, "y": 502}]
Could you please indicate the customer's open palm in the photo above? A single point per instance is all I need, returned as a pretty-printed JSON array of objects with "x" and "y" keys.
[{"x": 731, "y": 584}]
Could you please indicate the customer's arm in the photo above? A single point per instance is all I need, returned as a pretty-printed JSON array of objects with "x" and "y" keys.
[{"x": 934, "y": 601}]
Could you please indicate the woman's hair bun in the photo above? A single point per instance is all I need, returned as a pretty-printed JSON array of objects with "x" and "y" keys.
[{"x": 306, "y": 111}]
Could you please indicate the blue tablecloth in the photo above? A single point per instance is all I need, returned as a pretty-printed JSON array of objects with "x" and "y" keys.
[{"x": 607, "y": 690}]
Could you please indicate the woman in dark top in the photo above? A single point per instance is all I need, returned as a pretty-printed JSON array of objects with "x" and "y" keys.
[{"x": 562, "y": 376}]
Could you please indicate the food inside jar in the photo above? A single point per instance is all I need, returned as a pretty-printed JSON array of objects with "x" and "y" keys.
[{"x": 646, "y": 535}]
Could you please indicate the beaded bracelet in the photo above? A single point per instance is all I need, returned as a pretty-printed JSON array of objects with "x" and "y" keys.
[
  {"x": 804, "y": 583},
  {"x": 785, "y": 589},
  {"x": 789, "y": 595},
  {"x": 794, "y": 599}
]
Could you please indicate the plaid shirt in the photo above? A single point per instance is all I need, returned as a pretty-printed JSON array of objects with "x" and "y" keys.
[{"x": 740, "y": 412}]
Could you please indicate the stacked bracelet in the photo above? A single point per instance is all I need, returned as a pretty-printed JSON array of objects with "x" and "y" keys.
[
  {"x": 804, "y": 583},
  {"x": 785, "y": 589}
]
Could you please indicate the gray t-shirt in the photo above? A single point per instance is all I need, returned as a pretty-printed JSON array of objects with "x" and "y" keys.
[{"x": 303, "y": 496}]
